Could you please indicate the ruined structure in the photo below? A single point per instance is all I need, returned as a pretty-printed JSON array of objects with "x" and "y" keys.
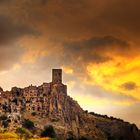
[
  {"x": 49, "y": 104},
  {"x": 33, "y": 99},
  {"x": 45, "y": 104}
]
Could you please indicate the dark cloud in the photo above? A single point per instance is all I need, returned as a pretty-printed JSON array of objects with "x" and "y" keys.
[
  {"x": 4, "y": 1},
  {"x": 56, "y": 18},
  {"x": 87, "y": 18},
  {"x": 124, "y": 15},
  {"x": 129, "y": 86},
  {"x": 11, "y": 30},
  {"x": 93, "y": 50},
  {"x": 99, "y": 43},
  {"x": 77, "y": 54},
  {"x": 80, "y": 18}
]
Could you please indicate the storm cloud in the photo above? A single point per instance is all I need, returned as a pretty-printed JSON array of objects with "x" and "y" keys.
[
  {"x": 91, "y": 49},
  {"x": 10, "y": 33},
  {"x": 10, "y": 30}
]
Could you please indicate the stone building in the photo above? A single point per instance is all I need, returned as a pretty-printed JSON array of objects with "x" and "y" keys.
[{"x": 32, "y": 99}]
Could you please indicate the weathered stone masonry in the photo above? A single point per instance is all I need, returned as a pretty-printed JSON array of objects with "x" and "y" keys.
[{"x": 33, "y": 99}]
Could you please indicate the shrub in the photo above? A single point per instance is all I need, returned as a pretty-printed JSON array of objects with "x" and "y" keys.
[
  {"x": 48, "y": 132},
  {"x": 33, "y": 113},
  {"x": 4, "y": 120},
  {"x": 3, "y": 117},
  {"x": 5, "y": 123},
  {"x": 23, "y": 133},
  {"x": 28, "y": 124}
]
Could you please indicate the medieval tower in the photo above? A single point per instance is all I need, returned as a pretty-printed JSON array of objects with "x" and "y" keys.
[{"x": 57, "y": 76}]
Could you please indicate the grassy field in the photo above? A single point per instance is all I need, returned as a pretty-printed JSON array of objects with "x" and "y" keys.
[{"x": 13, "y": 136}]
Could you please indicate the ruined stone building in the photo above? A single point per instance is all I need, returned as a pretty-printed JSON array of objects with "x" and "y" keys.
[
  {"x": 33, "y": 100},
  {"x": 45, "y": 104}
]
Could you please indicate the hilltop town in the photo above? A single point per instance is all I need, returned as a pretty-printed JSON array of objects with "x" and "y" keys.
[
  {"x": 49, "y": 104},
  {"x": 34, "y": 100}
]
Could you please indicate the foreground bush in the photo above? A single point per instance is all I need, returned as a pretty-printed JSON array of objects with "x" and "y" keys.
[
  {"x": 28, "y": 124},
  {"x": 48, "y": 132},
  {"x": 24, "y": 133},
  {"x": 14, "y": 136},
  {"x": 8, "y": 136}
]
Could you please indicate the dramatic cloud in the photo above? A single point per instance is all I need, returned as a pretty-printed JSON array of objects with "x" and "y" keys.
[
  {"x": 3, "y": 1},
  {"x": 91, "y": 50},
  {"x": 124, "y": 15},
  {"x": 10, "y": 30},
  {"x": 10, "y": 33}
]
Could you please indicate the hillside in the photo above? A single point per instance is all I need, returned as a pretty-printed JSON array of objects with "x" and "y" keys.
[{"x": 116, "y": 129}]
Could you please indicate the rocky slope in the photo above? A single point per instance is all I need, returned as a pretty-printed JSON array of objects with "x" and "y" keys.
[{"x": 116, "y": 129}]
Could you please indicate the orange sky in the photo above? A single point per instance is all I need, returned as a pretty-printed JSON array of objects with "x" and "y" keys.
[{"x": 96, "y": 43}]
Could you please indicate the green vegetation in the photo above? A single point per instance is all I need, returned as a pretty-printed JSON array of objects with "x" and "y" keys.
[
  {"x": 24, "y": 133},
  {"x": 14, "y": 136},
  {"x": 48, "y": 132},
  {"x": 33, "y": 113},
  {"x": 3, "y": 117},
  {"x": 4, "y": 121},
  {"x": 8, "y": 136},
  {"x": 28, "y": 124}
]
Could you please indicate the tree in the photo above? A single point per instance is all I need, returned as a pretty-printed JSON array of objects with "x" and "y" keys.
[
  {"x": 23, "y": 133},
  {"x": 48, "y": 132},
  {"x": 33, "y": 113},
  {"x": 28, "y": 124}
]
